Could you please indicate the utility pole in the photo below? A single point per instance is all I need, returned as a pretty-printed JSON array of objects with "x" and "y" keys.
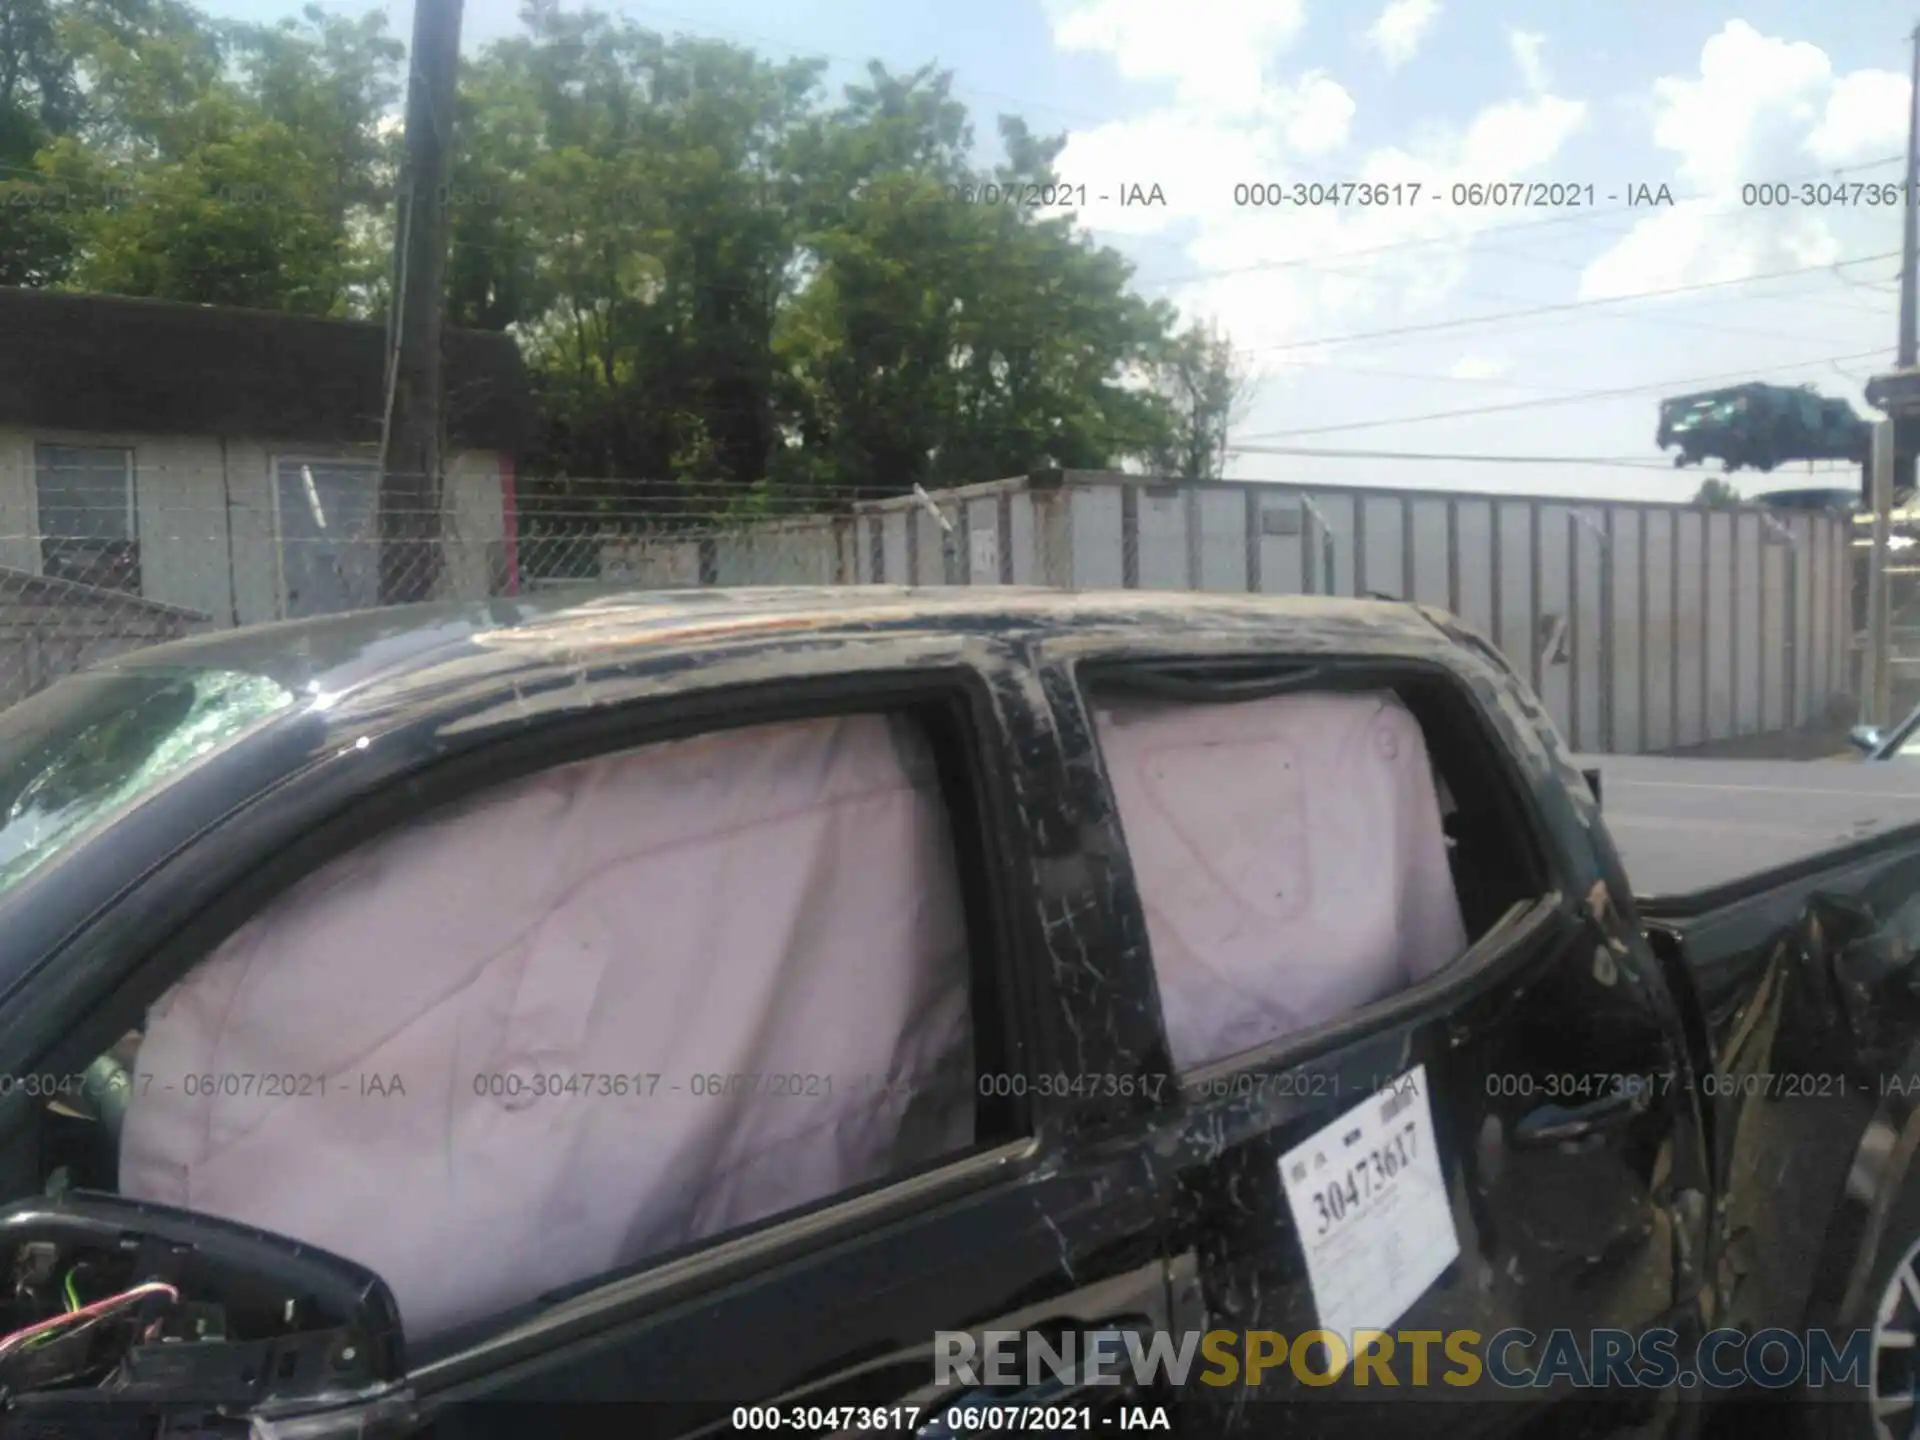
[
  {"x": 1889, "y": 470},
  {"x": 1903, "y": 466},
  {"x": 1876, "y": 689},
  {"x": 413, "y": 428},
  {"x": 1910, "y": 240}
]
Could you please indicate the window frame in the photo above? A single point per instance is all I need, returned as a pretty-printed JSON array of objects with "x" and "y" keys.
[
  {"x": 1001, "y": 942},
  {"x": 358, "y": 460},
  {"x": 1514, "y": 932},
  {"x": 131, "y": 475}
]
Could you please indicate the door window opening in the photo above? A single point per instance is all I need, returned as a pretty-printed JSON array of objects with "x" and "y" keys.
[{"x": 1305, "y": 842}]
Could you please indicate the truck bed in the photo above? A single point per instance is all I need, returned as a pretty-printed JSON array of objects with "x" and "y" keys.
[{"x": 1690, "y": 825}]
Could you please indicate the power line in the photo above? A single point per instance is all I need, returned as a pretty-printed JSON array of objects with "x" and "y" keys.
[
  {"x": 1475, "y": 238},
  {"x": 1621, "y": 462},
  {"x": 1598, "y": 303},
  {"x": 1580, "y": 217},
  {"x": 1667, "y": 321},
  {"x": 1676, "y": 322},
  {"x": 1087, "y": 117},
  {"x": 1470, "y": 237},
  {"x": 1425, "y": 377},
  {"x": 1559, "y": 308},
  {"x": 1653, "y": 388},
  {"x": 1615, "y": 462}
]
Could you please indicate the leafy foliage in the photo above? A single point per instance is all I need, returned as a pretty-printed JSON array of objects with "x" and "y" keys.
[
  {"x": 1717, "y": 494},
  {"x": 1207, "y": 392},
  {"x": 39, "y": 102},
  {"x": 733, "y": 289}
]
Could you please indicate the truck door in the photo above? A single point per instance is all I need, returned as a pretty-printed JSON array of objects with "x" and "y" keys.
[{"x": 1502, "y": 1139}]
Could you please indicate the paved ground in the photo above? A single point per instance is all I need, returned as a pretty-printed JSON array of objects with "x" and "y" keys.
[
  {"x": 1689, "y": 824},
  {"x": 1823, "y": 742},
  {"x": 1819, "y": 744}
]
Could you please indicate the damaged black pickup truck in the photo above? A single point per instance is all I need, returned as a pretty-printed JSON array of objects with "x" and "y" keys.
[{"x": 715, "y": 1011}]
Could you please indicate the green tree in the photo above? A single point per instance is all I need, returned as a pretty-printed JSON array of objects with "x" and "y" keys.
[
  {"x": 332, "y": 81},
  {"x": 1717, "y": 494},
  {"x": 40, "y": 100},
  {"x": 642, "y": 243},
  {"x": 734, "y": 291},
  {"x": 938, "y": 341},
  {"x": 228, "y": 165},
  {"x": 1207, "y": 391}
]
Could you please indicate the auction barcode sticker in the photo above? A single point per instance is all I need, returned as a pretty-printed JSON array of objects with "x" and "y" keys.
[{"x": 1371, "y": 1208}]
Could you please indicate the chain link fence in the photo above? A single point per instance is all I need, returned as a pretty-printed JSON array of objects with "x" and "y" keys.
[
  {"x": 98, "y": 559},
  {"x": 1641, "y": 626}
]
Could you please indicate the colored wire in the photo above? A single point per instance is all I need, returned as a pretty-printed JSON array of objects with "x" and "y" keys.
[{"x": 126, "y": 1299}]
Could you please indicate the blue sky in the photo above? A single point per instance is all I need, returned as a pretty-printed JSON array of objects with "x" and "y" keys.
[{"x": 1198, "y": 95}]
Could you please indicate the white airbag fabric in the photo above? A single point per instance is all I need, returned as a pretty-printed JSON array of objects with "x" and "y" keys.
[
  {"x": 779, "y": 901},
  {"x": 1290, "y": 856}
]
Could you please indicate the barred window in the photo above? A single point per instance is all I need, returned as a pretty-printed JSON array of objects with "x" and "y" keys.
[{"x": 89, "y": 528}]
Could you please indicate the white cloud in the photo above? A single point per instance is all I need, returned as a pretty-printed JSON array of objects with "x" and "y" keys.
[
  {"x": 1529, "y": 49},
  {"x": 1761, "y": 109},
  {"x": 1216, "y": 54},
  {"x": 1195, "y": 158},
  {"x": 1249, "y": 257},
  {"x": 1234, "y": 111},
  {"x": 1865, "y": 118},
  {"x": 1400, "y": 28},
  {"x": 1480, "y": 367},
  {"x": 1316, "y": 114}
]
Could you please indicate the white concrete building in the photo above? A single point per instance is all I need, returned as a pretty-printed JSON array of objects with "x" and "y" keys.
[{"x": 225, "y": 461}]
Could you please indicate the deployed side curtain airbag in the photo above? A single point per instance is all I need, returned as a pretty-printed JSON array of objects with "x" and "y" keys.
[
  {"x": 602, "y": 1012},
  {"x": 1290, "y": 856}
]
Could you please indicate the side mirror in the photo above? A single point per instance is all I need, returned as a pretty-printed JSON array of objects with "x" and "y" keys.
[
  {"x": 1865, "y": 738},
  {"x": 120, "y": 1302}
]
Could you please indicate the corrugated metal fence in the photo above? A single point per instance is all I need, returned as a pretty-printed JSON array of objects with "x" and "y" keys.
[{"x": 1643, "y": 627}]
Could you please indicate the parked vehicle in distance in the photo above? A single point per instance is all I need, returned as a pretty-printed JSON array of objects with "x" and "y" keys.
[
  {"x": 707, "y": 998},
  {"x": 1761, "y": 427}
]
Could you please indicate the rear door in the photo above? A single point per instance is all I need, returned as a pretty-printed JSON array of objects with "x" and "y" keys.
[{"x": 1511, "y": 1144}]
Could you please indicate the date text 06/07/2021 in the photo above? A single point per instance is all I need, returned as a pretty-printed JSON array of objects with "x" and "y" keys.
[
  {"x": 504, "y": 1084},
  {"x": 1714, "y": 1084},
  {"x": 530, "y": 1083},
  {"x": 644, "y": 1084},
  {"x": 961, "y": 1419},
  {"x": 1461, "y": 194}
]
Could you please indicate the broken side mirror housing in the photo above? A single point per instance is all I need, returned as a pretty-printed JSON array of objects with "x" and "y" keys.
[{"x": 116, "y": 1302}]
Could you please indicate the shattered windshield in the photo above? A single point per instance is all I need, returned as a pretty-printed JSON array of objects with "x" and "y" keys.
[{"x": 84, "y": 751}]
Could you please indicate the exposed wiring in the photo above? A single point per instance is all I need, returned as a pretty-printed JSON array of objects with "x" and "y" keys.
[
  {"x": 73, "y": 1303},
  {"x": 99, "y": 1309}
]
